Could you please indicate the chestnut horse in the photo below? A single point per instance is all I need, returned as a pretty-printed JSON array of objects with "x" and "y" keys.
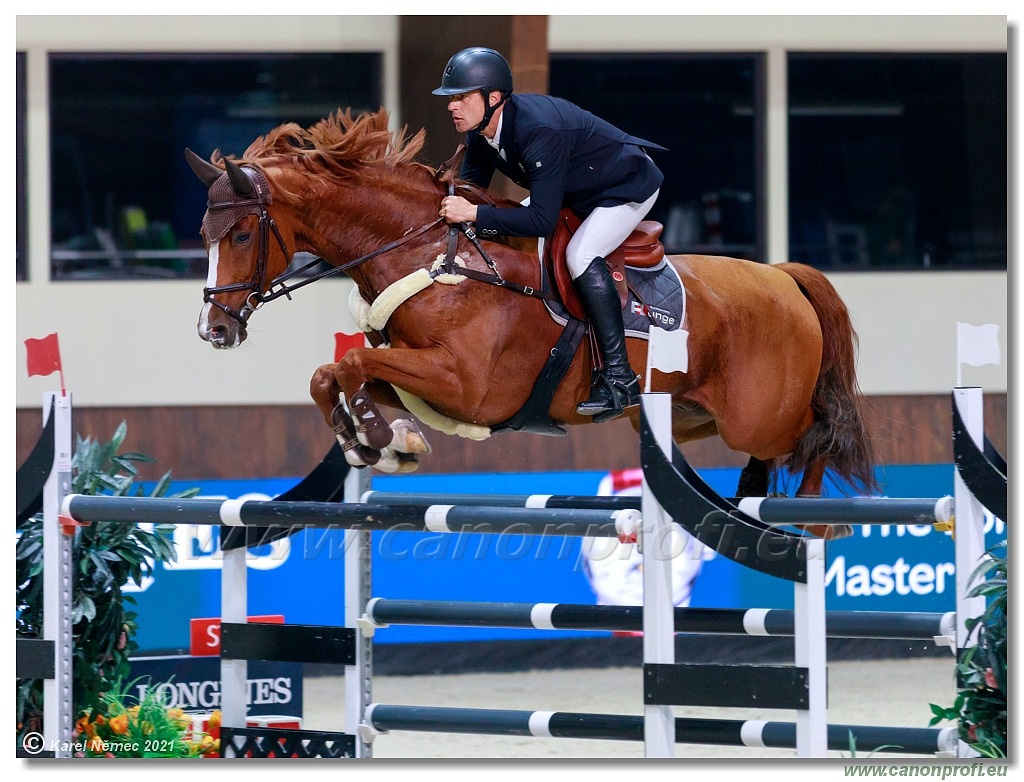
[{"x": 771, "y": 347}]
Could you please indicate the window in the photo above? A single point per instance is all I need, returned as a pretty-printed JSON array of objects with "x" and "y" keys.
[
  {"x": 125, "y": 202},
  {"x": 21, "y": 172},
  {"x": 898, "y": 161},
  {"x": 701, "y": 107}
]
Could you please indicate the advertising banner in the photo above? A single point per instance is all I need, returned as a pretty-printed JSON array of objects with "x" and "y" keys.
[{"x": 888, "y": 568}]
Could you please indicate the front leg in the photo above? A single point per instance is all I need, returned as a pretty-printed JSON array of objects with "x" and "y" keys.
[
  {"x": 462, "y": 389},
  {"x": 371, "y": 427},
  {"x": 405, "y": 440},
  {"x": 326, "y": 393}
]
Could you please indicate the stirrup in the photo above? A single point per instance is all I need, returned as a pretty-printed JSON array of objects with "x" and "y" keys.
[{"x": 610, "y": 398}]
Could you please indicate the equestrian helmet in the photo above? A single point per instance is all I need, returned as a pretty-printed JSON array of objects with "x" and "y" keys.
[{"x": 476, "y": 68}]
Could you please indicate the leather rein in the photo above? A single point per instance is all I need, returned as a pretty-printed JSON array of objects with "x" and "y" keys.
[{"x": 278, "y": 287}]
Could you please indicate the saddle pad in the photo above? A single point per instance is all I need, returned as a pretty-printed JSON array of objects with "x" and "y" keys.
[{"x": 662, "y": 300}]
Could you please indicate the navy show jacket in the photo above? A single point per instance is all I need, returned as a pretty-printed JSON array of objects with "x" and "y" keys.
[{"x": 565, "y": 156}]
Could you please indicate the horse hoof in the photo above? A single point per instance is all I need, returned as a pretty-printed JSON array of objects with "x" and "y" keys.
[
  {"x": 388, "y": 462},
  {"x": 395, "y": 462},
  {"x": 360, "y": 455},
  {"x": 408, "y": 462},
  {"x": 829, "y": 531},
  {"x": 409, "y": 437}
]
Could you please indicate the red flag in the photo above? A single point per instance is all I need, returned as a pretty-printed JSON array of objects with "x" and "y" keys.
[
  {"x": 343, "y": 343},
  {"x": 44, "y": 357}
]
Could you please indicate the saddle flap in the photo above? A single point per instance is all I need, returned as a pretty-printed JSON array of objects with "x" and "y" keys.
[{"x": 642, "y": 249}]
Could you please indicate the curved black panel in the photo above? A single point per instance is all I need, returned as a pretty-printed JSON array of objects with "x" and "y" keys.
[
  {"x": 326, "y": 483},
  {"x": 34, "y": 471},
  {"x": 983, "y": 471},
  {"x": 713, "y": 520}
]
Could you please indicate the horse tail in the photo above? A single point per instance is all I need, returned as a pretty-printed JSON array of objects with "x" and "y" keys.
[{"x": 838, "y": 435}]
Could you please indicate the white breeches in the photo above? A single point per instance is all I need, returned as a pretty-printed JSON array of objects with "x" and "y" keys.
[{"x": 604, "y": 229}]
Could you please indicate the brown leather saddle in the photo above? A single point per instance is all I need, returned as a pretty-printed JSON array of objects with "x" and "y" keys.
[{"x": 642, "y": 249}]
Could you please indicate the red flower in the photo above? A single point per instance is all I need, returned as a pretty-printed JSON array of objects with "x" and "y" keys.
[{"x": 990, "y": 679}]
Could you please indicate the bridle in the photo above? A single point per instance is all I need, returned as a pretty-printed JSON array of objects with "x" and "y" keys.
[
  {"x": 257, "y": 283},
  {"x": 277, "y": 287}
]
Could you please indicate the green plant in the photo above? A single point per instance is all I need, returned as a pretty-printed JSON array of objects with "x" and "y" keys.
[
  {"x": 852, "y": 741},
  {"x": 147, "y": 728},
  {"x": 107, "y": 556},
  {"x": 980, "y": 704}
]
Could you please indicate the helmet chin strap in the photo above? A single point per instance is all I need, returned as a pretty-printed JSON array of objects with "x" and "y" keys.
[{"x": 488, "y": 113}]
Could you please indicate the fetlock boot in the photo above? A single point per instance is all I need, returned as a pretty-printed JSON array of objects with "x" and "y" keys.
[{"x": 618, "y": 386}]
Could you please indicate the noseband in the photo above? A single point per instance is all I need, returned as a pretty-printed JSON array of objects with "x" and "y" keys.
[{"x": 258, "y": 282}]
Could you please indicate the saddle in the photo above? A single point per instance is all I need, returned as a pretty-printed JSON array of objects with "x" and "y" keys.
[{"x": 642, "y": 249}]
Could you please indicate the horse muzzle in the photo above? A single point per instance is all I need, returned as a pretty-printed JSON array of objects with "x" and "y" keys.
[{"x": 222, "y": 334}]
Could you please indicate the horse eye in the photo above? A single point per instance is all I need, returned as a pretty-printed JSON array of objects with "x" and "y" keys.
[{"x": 243, "y": 237}]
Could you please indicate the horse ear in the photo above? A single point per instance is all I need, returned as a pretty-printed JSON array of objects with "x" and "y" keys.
[
  {"x": 448, "y": 170},
  {"x": 207, "y": 172},
  {"x": 240, "y": 182}
]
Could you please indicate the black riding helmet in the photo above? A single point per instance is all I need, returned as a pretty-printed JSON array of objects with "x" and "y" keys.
[{"x": 477, "y": 68}]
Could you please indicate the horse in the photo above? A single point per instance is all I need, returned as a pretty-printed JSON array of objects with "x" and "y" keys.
[{"x": 772, "y": 350}]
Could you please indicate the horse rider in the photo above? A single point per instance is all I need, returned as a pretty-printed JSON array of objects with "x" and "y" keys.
[{"x": 566, "y": 157}]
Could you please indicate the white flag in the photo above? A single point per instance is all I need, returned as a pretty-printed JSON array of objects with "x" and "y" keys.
[
  {"x": 667, "y": 351},
  {"x": 978, "y": 345}
]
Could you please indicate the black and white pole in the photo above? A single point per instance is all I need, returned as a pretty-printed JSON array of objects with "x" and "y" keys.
[
  {"x": 655, "y": 541},
  {"x": 58, "y": 582}
]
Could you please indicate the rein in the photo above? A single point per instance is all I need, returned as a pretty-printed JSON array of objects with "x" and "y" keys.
[{"x": 277, "y": 287}]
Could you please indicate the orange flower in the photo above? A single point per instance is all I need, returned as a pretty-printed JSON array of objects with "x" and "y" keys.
[
  {"x": 85, "y": 728},
  {"x": 213, "y": 726},
  {"x": 177, "y": 716},
  {"x": 119, "y": 724}
]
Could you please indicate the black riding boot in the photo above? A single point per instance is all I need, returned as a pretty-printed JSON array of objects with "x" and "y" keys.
[{"x": 617, "y": 387}]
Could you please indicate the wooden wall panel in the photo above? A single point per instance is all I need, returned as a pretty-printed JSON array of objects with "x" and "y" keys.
[{"x": 285, "y": 441}]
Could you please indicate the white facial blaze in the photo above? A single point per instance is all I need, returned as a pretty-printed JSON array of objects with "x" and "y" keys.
[{"x": 211, "y": 282}]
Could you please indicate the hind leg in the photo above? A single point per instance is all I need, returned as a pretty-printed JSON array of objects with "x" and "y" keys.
[
  {"x": 753, "y": 479},
  {"x": 810, "y": 486}
]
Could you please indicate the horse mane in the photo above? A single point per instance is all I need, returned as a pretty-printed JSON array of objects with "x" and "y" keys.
[{"x": 342, "y": 148}]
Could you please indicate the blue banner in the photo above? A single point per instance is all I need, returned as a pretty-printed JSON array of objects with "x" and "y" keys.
[{"x": 897, "y": 568}]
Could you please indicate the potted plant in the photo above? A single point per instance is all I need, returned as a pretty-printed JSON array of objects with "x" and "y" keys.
[
  {"x": 107, "y": 557},
  {"x": 980, "y": 704}
]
